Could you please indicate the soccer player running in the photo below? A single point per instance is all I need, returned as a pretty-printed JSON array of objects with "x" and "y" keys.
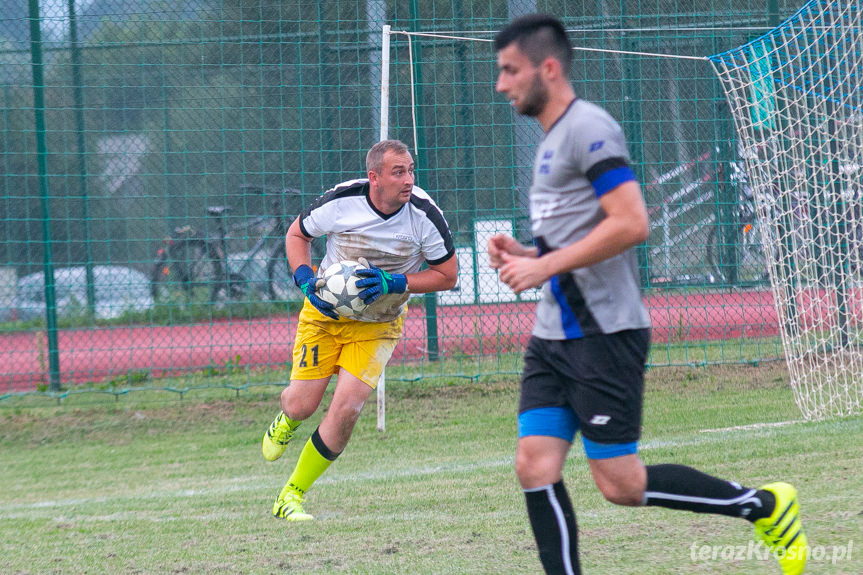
[
  {"x": 584, "y": 364},
  {"x": 395, "y": 227}
]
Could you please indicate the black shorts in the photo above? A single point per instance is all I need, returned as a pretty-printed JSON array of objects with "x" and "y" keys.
[{"x": 600, "y": 377}]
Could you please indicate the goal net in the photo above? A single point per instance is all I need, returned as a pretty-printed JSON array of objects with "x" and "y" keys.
[{"x": 796, "y": 96}]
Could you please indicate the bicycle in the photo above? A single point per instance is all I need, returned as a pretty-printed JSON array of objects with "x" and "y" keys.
[{"x": 194, "y": 265}]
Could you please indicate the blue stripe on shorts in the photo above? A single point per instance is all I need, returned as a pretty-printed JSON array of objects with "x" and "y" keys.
[
  {"x": 595, "y": 450},
  {"x": 553, "y": 421}
]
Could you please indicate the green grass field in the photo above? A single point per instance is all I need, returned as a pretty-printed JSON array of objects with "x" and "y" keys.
[{"x": 151, "y": 483}]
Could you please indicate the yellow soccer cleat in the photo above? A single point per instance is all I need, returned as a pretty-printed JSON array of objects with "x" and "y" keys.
[
  {"x": 289, "y": 506},
  {"x": 782, "y": 532},
  {"x": 277, "y": 437}
]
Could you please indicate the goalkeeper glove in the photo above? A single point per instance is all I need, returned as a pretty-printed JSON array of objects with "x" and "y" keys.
[
  {"x": 305, "y": 279},
  {"x": 378, "y": 282}
]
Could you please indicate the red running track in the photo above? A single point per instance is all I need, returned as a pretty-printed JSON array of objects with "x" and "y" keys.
[{"x": 92, "y": 355}]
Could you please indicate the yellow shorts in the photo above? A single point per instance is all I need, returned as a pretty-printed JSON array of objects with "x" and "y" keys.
[{"x": 323, "y": 345}]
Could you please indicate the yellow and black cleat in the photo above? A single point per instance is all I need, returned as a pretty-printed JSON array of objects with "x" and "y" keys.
[
  {"x": 289, "y": 506},
  {"x": 782, "y": 532},
  {"x": 277, "y": 437}
]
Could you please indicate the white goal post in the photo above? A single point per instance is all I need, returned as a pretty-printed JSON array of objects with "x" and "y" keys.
[
  {"x": 796, "y": 94},
  {"x": 381, "y": 390}
]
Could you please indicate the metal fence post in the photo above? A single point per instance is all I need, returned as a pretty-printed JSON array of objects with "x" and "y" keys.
[{"x": 42, "y": 161}]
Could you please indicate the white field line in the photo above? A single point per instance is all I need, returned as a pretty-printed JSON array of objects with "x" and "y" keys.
[
  {"x": 752, "y": 426},
  {"x": 264, "y": 483}
]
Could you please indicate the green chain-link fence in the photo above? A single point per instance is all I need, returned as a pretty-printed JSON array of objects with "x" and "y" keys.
[{"x": 124, "y": 123}]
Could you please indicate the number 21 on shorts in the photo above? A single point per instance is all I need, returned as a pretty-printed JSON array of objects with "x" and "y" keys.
[{"x": 304, "y": 351}]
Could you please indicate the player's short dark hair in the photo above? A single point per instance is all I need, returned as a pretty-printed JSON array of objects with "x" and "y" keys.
[
  {"x": 375, "y": 157},
  {"x": 538, "y": 36}
]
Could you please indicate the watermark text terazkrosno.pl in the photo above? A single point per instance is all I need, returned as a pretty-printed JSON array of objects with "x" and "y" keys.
[{"x": 758, "y": 551}]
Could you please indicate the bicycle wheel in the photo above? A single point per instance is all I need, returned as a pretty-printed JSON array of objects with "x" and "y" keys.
[
  {"x": 281, "y": 284},
  {"x": 188, "y": 269}
]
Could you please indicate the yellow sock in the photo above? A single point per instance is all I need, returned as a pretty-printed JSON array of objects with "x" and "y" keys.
[{"x": 314, "y": 460}]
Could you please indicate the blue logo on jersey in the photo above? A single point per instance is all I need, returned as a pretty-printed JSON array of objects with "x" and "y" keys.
[
  {"x": 544, "y": 168},
  {"x": 546, "y": 155},
  {"x": 596, "y": 145}
]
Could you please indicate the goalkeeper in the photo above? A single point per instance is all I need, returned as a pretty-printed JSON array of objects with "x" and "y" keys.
[{"x": 396, "y": 227}]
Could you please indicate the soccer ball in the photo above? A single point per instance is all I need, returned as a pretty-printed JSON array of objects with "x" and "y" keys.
[{"x": 341, "y": 288}]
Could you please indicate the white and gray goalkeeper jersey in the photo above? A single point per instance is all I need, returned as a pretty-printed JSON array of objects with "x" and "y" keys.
[{"x": 398, "y": 243}]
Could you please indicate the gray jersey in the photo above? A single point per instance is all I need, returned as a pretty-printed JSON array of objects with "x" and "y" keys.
[{"x": 582, "y": 157}]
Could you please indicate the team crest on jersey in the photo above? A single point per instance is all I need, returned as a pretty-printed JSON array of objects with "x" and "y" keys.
[{"x": 545, "y": 164}]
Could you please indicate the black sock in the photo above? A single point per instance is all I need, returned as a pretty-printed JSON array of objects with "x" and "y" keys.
[
  {"x": 681, "y": 487},
  {"x": 553, "y": 521}
]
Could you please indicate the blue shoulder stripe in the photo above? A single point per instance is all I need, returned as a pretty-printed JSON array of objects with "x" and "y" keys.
[{"x": 611, "y": 179}]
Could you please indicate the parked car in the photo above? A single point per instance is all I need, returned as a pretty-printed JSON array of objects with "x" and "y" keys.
[{"x": 118, "y": 290}]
